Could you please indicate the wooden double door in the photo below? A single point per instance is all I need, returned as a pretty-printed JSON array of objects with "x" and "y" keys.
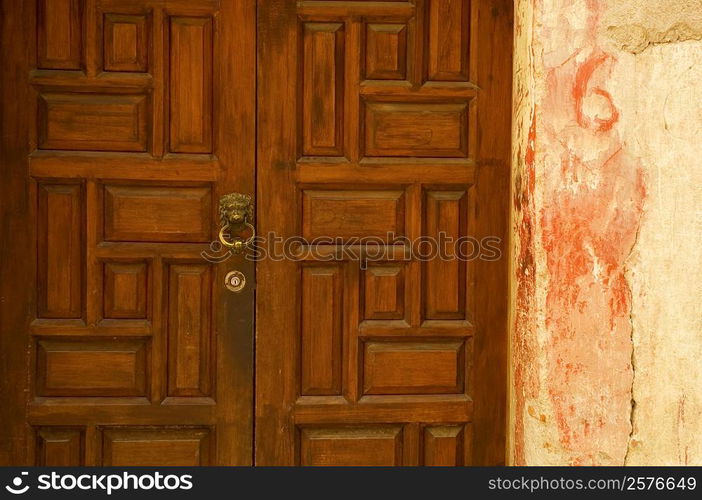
[{"x": 355, "y": 125}]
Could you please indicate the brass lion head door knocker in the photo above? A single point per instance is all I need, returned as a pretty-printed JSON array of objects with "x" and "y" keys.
[{"x": 236, "y": 212}]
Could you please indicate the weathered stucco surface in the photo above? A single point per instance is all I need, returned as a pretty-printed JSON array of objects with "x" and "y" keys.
[
  {"x": 607, "y": 205},
  {"x": 664, "y": 128},
  {"x": 635, "y": 25}
]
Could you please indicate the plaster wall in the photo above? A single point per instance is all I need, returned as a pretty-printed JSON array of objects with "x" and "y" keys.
[{"x": 607, "y": 327}]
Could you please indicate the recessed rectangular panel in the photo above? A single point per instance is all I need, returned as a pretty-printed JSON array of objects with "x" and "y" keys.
[
  {"x": 322, "y": 306},
  {"x": 158, "y": 213},
  {"x": 322, "y": 89},
  {"x": 349, "y": 214},
  {"x": 60, "y": 447},
  {"x": 125, "y": 290},
  {"x": 148, "y": 447},
  {"x": 422, "y": 130},
  {"x": 445, "y": 279},
  {"x": 386, "y": 51},
  {"x": 416, "y": 367},
  {"x": 384, "y": 292},
  {"x": 60, "y": 220},
  {"x": 444, "y": 446},
  {"x": 60, "y": 34},
  {"x": 125, "y": 42},
  {"x": 92, "y": 367},
  {"x": 93, "y": 122},
  {"x": 189, "y": 330},
  {"x": 448, "y": 44},
  {"x": 368, "y": 446},
  {"x": 191, "y": 84}
]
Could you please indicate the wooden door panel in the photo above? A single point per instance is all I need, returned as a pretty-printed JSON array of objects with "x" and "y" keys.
[
  {"x": 385, "y": 51},
  {"x": 60, "y": 216},
  {"x": 125, "y": 290},
  {"x": 394, "y": 117},
  {"x": 170, "y": 447},
  {"x": 448, "y": 211},
  {"x": 101, "y": 367},
  {"x": 322, "y": 89},
  {"x": 190, "y": 82},
  {"x": 165, "y": 213},
  {"x": 138, "y": 356},
  {"x": 445, "y": 445},
  {"x": 190, "y": 339},
  {"x": 89, "y": 122},
  {"x": 448, "y": 39},
  {"x": 126, "y": 42},
  {"x": 321, "y": 329},
  {"x": 60, "y": 34},
  {"x": 424, "y": 367},
  {"x": 416, "y": 130},
  {"x": 383, "y": 292},
  {"x": 348, "y": 214},
  {"x": 351, "y": 446},
  {"x": 60, "y": 446}
]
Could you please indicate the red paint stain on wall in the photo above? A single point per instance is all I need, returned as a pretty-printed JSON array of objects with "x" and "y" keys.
[
  {"x": 589, "y": 221},
  {"x": 587, "y": 235},
  {"x": 580, "y": 89},
  {"x": 525, "y": 381}
]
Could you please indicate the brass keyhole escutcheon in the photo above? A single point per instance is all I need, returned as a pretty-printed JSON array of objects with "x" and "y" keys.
[{"x": 235, "y": 281}]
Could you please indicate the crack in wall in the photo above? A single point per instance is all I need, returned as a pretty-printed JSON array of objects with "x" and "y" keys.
[{"x": 632, "y": 412}]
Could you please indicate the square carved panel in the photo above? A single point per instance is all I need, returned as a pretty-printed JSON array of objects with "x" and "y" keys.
[
  {"x": 384, "y": 292},
  {"x": 125, "y": 290},
  {"x": 126, "y": 42},
  {"x": 386, "y": 51}
]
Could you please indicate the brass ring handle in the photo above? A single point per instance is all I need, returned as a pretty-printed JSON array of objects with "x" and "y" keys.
[
  {"x": 237, "y": 245},
  {"x": 236, "y": 211}
]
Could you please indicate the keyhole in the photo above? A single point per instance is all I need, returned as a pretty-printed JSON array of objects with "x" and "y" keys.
[{"x": 235, "y": 281}]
